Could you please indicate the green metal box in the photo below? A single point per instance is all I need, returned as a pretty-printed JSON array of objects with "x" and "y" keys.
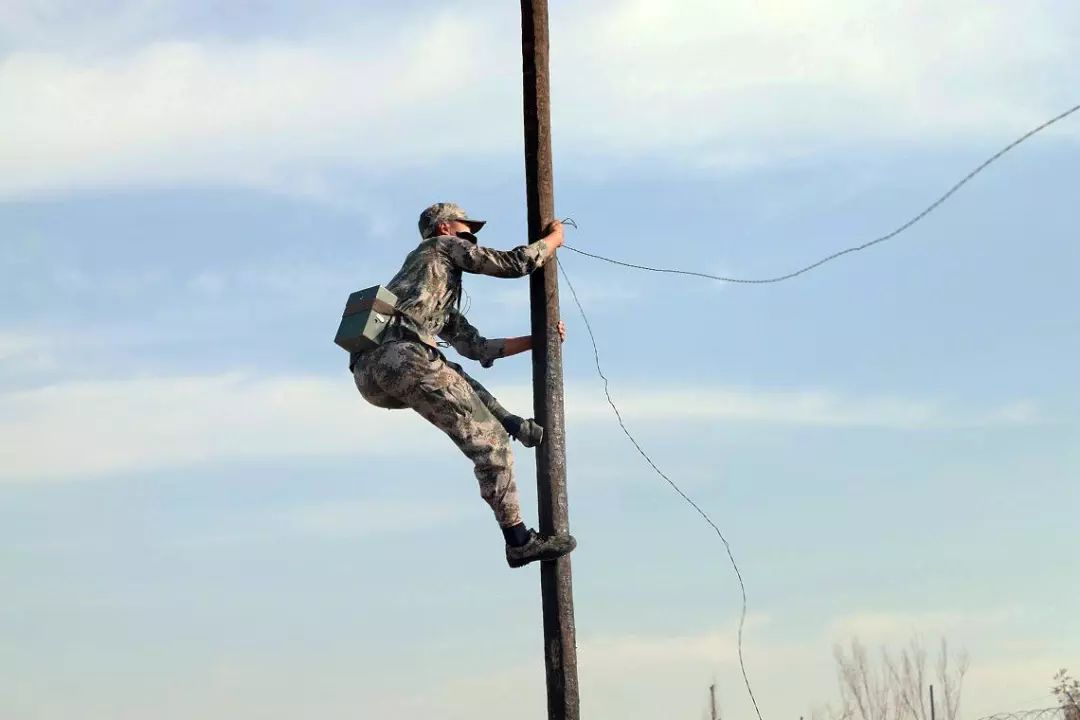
[{"x": 367, "y": 314}]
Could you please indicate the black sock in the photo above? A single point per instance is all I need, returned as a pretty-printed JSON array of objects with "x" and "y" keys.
[{"x": 516, "y": 535}]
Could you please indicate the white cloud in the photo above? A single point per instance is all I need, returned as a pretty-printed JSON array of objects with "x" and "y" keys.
[
  {"x": 12, "y": 345},
  {"x": 755, "y": 80},
  {"x": 614, "y": 655},
  {"x": 260, "y": 114},
  {"x": 337, "y": 520},
  {"x": 21, "y": 352},
  {"x": 897, "y": 628},
  {"x": 89, "y": 428},
  {"x": 92, "y": 428},
  {"x": 809, "y": 408},
  {"x": 748, "y": 82}
]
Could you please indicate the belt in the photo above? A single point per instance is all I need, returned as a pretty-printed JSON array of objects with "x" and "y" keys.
[{"x": 404, "y": 332}]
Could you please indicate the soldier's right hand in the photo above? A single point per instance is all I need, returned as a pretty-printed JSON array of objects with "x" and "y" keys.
[{"x": 554, "y": 233}]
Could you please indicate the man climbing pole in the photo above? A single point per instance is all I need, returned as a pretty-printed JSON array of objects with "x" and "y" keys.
[{"x": 407, "y": 369}]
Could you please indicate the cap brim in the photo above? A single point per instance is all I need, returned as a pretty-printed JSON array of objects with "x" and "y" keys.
[{"x": 474, "y": 225}]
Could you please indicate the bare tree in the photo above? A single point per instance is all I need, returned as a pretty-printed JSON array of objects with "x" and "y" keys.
[
  {"x": 713, "y": 712},
  {"x": 1067, "y": 689},
  {"x": 951, "y": 681},
  {"x": 895, "y": 687}
]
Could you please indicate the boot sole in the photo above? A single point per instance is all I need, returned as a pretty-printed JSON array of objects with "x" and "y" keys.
[{"x": 553, "y": 555}]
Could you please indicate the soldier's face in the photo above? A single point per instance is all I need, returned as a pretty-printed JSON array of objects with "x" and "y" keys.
[
  {"x": 451, "y": 227},
  {"x": 461, "y": 230}
]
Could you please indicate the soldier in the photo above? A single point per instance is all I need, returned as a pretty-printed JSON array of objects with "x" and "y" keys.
[{"x": 407, "y": 369}]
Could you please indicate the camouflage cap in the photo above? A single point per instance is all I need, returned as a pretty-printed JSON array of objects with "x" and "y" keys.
[{"x": 445, "y": 212}]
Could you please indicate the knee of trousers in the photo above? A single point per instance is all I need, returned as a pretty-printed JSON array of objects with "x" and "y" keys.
[
  {"x": 500, "y": 493},
  {"x": 494, "y": 465},
  {"x": 494, "y": 455}
]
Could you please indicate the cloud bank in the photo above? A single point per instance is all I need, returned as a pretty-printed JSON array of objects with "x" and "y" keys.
[
  {"x": 92, "y": 428},
  {"x": 687, "y": 81}
]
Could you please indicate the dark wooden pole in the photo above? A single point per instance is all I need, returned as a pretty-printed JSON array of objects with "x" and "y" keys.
[{"x": 560, "y": 651}]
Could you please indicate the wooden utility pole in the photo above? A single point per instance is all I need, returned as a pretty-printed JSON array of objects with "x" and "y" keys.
[
  {"x": 713, "y": 714},
  {"x": 933, "y": 711},
  {"x": 560, "y": 651}
]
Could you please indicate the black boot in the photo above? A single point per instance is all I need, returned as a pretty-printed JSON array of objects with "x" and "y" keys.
[
  {"x": 527, "y": 432},
  {"x": 539, "y": 547}
]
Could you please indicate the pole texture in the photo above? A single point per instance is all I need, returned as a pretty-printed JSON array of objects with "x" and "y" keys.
[{"x": 560, "y": 651}]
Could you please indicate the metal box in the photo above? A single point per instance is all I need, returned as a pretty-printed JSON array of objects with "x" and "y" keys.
[{"x": 367, "y": 314}]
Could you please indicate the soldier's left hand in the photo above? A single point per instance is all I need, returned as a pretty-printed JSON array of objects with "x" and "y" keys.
[{"x": 561, "y": 327}]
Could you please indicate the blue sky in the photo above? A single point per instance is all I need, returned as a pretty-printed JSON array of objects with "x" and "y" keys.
[{"x": 199, "y": 517}]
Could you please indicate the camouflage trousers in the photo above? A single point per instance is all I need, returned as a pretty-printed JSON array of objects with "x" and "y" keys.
[{"x": 405, "y": 374}]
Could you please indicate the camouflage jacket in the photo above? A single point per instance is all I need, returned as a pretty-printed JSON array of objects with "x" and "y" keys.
[{"x": 428, "y": 288}]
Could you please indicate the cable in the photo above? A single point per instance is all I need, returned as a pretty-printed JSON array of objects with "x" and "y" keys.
[
  {"x": 780, "y": 278},
  {"x": 468, "y": 302},
  {"x": 641, "y": 451},
  {"x": 1039, "y": 714}
]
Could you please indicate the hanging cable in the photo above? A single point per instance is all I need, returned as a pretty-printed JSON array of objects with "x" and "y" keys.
[
  {"x": 618, "y": 415},
  {"x": 676, "y": 488},
  {"x": 780, "y": 278}
]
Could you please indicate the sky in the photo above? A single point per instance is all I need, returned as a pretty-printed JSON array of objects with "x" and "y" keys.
[{"x": 200, "y": 517}]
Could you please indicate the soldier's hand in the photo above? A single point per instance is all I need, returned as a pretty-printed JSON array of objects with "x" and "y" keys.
[
  {"x": 554, "y": 233},
  {"x": 561, "y": 327}
]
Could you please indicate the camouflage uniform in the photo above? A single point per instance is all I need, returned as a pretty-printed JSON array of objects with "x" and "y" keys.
[{"x": 406, "y": 370}]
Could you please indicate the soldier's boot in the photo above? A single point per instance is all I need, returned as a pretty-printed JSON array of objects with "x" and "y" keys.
[
  {"x": 527, "y": 432},
  {"x": 539, "y": 547}
]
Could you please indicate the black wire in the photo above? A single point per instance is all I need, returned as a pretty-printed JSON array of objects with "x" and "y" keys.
[
  {"x": 780, "y": 278},
  {"x": 637, "y": 446},
  {"x": 641, "y": 451},
  {"x": 1038, "y": 714},
  {"x": 468, "y": 302}
]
